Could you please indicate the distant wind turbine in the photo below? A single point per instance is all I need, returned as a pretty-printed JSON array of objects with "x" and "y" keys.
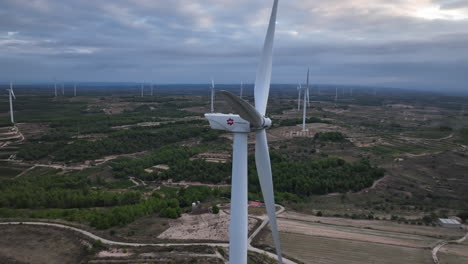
[
  {"x": 74, "y": 90},
  {"x": 11, "y": 95},
  {"x": 250, "y": 118},
  {"x": 151, "y": 89},
  {"x": 63, "y": 88},
  {"x": 299, "y": 89},
  {"x": 336, "y": 95},
  {"x": 305, "y": 105},
  {"x": 212, "y": 95},
  {"x": 55, "y": 87},
  {"x": 142, "y": 90},
  {"x": 241, "y": 90}
]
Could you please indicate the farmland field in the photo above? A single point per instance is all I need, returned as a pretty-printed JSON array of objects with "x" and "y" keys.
[{"x": 323, "y": 250}]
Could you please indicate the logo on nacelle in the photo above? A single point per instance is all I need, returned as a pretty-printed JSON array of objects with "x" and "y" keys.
[{"x": 230, "y": 121}]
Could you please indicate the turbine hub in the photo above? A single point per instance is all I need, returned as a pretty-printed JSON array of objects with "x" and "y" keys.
[{"x": 266, "y": 123}]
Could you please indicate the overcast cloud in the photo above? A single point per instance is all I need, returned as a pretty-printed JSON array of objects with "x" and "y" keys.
[{"x": 399, "y": 43}]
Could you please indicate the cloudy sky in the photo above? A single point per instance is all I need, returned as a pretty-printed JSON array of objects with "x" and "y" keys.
[{"x": 399, "y": 43}]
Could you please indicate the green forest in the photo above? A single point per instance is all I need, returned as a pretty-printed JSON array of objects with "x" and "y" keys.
[
  {"x": 74, "y": 197},
  {"x": 120, "y": 142},
  {"x": 299, "y": 177}
]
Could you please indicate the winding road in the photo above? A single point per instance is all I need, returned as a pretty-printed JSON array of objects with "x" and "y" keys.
[
  {"x": 128, "y": 244},
  {"x": 442, "y": 244}
]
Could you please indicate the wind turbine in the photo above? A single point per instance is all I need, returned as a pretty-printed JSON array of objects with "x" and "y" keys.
[
  {"x": 142, "y": 90},
  {"x": 299, "y": 89},
  {"x": 12, "y": 96},
  {"x": 249, "y": 119},
  {"x": 74, "y": 90},
  {"x": 241, "y": 90},
  {"x": 151, "y": 89},
  {"x": 336, "y": 95},
  {"x": 212, "y": 95},
  {"x": 55, "y": 87},
  {"x": 305, "y": 105}
]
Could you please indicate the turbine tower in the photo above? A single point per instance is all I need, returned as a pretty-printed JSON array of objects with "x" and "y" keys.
[
  {"x": 249, "y": 119},
  {"x": 142, "y": 90},
  {"x": 151, "y": 89},
  {"x": 63, "y": 89},
  {"x": 74, "y": 90},
  {"x": 241, "y": 90},
  {"x": 299, "y": 89},
  {"x": 212, "y": 95},
  {"x": 12, "y": 96},
  {"x": 336, "y": 95},
  {"x": 55, "y": 86},
  {"x": 305, "y": 105}
]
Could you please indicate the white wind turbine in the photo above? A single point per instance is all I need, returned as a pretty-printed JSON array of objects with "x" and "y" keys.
[
  {"x": 299, "y": 89},
  {"x": 212, "y": 95},
  {"x": 55, "y": 87},
  {"x": 12, "y": 96},
  {"x": 249, "y": 119},
  {"x": 142, "y": 90},
  {"x": 305, "y": 105},
  {"x": 241, "y": 90},
  {"x": 336, "y": 95}
]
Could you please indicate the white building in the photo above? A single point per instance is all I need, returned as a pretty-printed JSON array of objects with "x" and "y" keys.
[{"x": 445, "y": 222}]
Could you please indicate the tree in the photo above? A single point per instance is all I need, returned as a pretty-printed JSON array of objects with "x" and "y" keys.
[
  {"x": 215, "y": 209},
  {"x": 463, "y": 216}
]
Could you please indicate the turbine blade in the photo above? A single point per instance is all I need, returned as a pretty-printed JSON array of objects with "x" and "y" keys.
[
  {"x": 263, "y": 78},
  {"x": 11, "y": 90},
  {"x": 244, "y": 109},
  {"x": 262, "y": 159}
]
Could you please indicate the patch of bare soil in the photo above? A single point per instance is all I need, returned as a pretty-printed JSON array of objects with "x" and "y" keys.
[
  {"x": 384, "y": 232},
  {"x": 201, "y": 227},
  {"x": 33, "y": 130},
  {"x": 282, "y": 133},
  {"x": 197, "y": 109},
  {"x": 357, "y": 234},
  {"x": 33, "y": 244}
]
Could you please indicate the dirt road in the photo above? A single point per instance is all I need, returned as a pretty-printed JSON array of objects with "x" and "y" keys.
[
  {"x": 440, "y": 245},
  {"x": 117, "y": 243}
]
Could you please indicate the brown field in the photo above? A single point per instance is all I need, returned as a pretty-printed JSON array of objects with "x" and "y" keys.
[
  {"x": 323, "y": 250},
  {"x": 429, "y": 232},
  {"x": 312, "y": 239},
  {"x": 454, "y": 253},
  {"x": 143, "y": 230},
  {"x": 33, "y": 244},
  {"x": 445, "y": 258},
  {"x": 201, "y": 227}
]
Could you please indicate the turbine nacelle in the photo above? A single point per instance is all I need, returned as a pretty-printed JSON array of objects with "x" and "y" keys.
[
  {"x": 228, "y": 122},
  {"x": 234, "y": 123}
]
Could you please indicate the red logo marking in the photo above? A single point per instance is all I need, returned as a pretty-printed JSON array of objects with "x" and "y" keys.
[{"x": 230, "y": 121}]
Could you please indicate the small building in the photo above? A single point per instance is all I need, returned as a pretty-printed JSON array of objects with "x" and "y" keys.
[
  {"x": 452, "y": 223},
  {"x": 256, "y": 204}
]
